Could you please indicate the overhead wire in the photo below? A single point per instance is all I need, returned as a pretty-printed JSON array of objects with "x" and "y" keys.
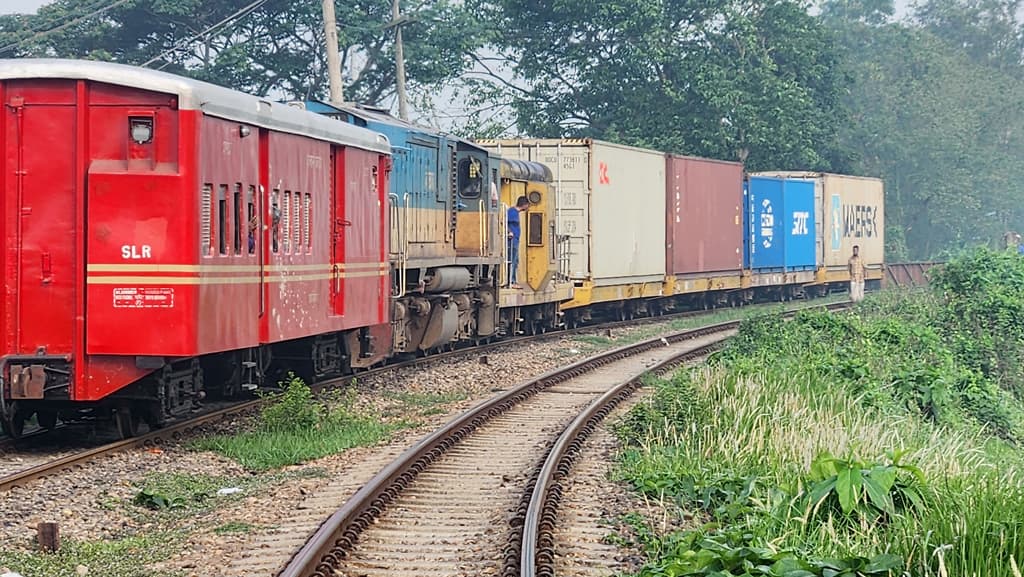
[
  {"x": 238, "y": 15},
  {"x": 43, "y": 34}
]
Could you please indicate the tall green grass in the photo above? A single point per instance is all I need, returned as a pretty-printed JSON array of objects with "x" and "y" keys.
[{"x": 743, "y": 447}]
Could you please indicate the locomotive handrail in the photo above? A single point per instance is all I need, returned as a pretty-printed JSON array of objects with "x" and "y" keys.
[
  {"x": 482, "y": 213},
  {"x": 402, "y": 231}
]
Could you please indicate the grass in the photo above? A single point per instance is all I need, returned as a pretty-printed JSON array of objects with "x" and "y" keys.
[
  {"x": 127, "y": 557},
  {"x": 234, "y": 527},
  {"x": 426, "y": 400},
  {"x": 263, "y": 450},
  {"x": 876, "y": 442},
  {"x": 772, "y": 428}
]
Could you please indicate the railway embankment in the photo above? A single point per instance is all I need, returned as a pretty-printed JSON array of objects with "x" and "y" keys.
[{"x": 874, "y": 441}]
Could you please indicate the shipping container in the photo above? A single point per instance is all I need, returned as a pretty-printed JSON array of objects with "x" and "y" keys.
[
  {"x": 799, "y": 225},
  {"x": 610, "y": 205},
  {"x": 762, "y": 215},
  {"x": 704, "y": 213},
  {"x": 851, "y": 211}
]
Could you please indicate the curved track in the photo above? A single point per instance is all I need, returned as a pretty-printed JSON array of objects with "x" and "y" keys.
[{"x": 441, "y": 507}]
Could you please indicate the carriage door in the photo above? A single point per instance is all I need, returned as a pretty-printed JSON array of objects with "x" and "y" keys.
[
  {"x": 44, "y": 186},
  {"x": 338, "y": 226}
]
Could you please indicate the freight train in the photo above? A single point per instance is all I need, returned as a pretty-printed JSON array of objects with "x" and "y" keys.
[{"x": 169, "y": 241}]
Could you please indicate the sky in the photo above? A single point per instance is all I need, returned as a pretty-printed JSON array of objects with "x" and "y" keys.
[{"x": 8, "y": 6}]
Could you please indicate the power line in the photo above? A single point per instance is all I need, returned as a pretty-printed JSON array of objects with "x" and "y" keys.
[
  {"x": 46, "y": 33},
  {"x": 242, "y": 13}
]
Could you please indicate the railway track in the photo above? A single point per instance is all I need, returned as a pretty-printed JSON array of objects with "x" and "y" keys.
[
  {"x": 21, "y": 466},
  {"x": 442, "y": 507}
]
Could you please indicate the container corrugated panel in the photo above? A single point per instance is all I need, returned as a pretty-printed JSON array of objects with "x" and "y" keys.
[
  {"x": 852, "y": 209},
  {"x": 764, "y": 246},
  {"x": 799, "y": 225},
  {"x": 610, "y": 203},
  {"x": 627, "y": 214},
  {"x": 704, "y": 229}
]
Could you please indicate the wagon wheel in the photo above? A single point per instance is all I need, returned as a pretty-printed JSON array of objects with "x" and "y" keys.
[
  {"x": 13, "y": 423},
  {"x": 127, "y": 422}
]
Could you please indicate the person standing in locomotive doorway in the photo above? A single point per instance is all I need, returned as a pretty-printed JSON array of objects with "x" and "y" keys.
[
  {"x": 513, "y": 240},
  {"x": 856, "y": 276}
]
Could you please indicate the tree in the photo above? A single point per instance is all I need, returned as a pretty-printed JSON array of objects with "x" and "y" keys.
[
  {"x": 731, "y": 79},
  {"x": 946, "y": 134},
  {"x": 274, "y": 47},
  {"x": 987, "y": 31}
]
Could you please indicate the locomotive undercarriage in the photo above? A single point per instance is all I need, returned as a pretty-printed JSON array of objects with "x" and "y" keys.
[{"x": 443, "y": 307}]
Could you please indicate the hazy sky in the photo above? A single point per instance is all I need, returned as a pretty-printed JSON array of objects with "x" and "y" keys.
[{"x": 8, "y": 6}]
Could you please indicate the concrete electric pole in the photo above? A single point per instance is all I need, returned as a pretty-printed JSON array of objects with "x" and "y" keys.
[
  {"x": 403, "y": 105},
  {"x": 333, "y": 57}
]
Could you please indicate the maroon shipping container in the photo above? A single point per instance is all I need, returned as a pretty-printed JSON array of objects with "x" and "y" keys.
[{"x": 704, "y": 232}]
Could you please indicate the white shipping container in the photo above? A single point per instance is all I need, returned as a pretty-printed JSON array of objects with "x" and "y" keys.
[
  {"x": 611, "y": 204},
  {"x": 850, "y": 211}
]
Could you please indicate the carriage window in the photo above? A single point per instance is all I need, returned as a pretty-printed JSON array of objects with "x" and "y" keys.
[
  {"x": 297, "y": 231},
  {"x": 275, "y": 215},
  {"x": 237, "y": 207},
  {"x": 206, "y": 219},
  {"x": 471, "y": 177},
  {"x": 307, "y": 221},
  {"x": 222, "y": 219},
  {"x": 286, "y": 221},
  {"x": 251, "y": 218}
]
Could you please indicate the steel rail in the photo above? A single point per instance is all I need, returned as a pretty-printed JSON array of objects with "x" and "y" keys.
[
  {"x": 534, "y": 541},
  {"x": 531, "y": 552},
  {"x": 325, "y": 549}
]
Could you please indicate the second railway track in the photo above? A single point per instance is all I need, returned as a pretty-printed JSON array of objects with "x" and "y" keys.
[{"x": 443, "y": 507}]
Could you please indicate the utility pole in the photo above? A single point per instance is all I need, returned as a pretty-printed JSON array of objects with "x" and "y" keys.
[
  {"x": 403, "y": 105},
  {"x": 333, "y": 57}
]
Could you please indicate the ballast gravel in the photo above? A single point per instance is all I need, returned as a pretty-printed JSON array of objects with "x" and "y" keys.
[{"x": 95, "y": 502}]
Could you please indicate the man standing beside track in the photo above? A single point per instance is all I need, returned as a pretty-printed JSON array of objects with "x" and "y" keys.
[
  {"x": 856, "y": 276},
  {"x": 513, "y": 240}
]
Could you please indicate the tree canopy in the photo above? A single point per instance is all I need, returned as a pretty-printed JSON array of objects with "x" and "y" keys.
[{"x": 930, "y": 103}]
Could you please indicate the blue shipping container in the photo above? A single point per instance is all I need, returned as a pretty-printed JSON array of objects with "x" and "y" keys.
[
  {"x": 799, "y": 225},
  {"x": 763, "y": 223}
]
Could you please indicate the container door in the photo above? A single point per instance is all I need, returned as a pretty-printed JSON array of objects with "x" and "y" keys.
[
  {"x": 800, "y": 233},
  {"x": 41, "y": 237},
  {"x": 765, "y": 234}
]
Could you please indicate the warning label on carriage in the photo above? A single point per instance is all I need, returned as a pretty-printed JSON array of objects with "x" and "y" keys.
[{"x": 144, "y": 298}]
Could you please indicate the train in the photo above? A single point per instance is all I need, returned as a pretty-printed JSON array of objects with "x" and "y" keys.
[{"x": 170, "y": 241}]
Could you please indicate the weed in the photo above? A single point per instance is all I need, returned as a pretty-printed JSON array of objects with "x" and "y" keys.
[
  {"x": 427, "y": 399},
  {"x": 234, "y": 527},
  {"x": 127, "y": 557}
]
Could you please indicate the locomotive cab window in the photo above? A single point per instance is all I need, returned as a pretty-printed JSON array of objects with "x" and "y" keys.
[
  {"x": 535, "y": 229},
  {"x": 471, "y": 177}
]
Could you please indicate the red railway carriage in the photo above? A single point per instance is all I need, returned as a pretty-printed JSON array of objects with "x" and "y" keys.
[{"x": 167, "y": 238}]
